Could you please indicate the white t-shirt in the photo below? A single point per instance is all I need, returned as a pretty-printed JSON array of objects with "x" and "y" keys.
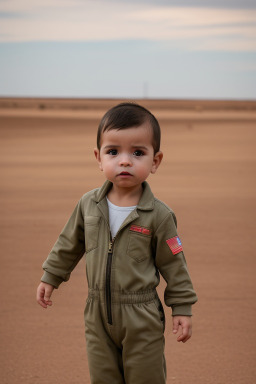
[{"x": 117, "y": 215}]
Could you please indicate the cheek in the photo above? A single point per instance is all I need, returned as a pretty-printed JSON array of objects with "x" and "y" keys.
[
  {"x": 144, "y": 169},
  {"x": 107, "y": 166}
]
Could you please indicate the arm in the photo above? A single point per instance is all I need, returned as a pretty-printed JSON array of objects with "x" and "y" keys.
[
  {"x": 67, "y": 251},
  {"x": 43, "y": 294},
  {"x": 179, "y": 292}
]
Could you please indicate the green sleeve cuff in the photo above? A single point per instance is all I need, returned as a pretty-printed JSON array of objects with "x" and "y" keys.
[
  {"x": 182, "y": 310},
  {"x": 48, "y": 278}
]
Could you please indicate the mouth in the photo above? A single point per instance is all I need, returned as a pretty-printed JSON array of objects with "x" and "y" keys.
[{"x": 124, "y": 174}]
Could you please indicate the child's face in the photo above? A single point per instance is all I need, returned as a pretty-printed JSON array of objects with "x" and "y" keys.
[{"x": 127, "y": 156}]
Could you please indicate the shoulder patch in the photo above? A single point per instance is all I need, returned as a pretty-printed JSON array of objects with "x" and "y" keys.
[{"x": 175, "y": 245}]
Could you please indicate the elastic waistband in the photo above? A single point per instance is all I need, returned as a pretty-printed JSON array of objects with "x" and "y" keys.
[{"x": 124, "y": 297}]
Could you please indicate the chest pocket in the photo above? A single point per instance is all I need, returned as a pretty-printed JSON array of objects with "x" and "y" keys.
[
  {"x": 139, "y": 246},
  {"x": 91, "y": 232}
]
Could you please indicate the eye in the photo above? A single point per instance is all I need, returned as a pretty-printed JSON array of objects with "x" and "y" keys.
[
  {"x": 112, "y": 152},
  {"x": 138, "y": 152}
]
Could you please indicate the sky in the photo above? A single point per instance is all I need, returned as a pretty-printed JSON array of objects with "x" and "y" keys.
[{"x": 176, "y": 49}]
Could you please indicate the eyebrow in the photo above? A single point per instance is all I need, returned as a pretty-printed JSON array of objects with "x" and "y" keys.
[
  {"x": 118, "y": 146},
  {"x": 111, "y": 146}
]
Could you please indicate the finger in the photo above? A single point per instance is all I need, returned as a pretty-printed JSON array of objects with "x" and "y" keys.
[
  {"x": 175, "y": 325},
  {"x": 41, "y": 301},
  {"x": 47, "y": 295},
  {"x": 39, "y": 294},
  {"x": 44, "y": 303},
  {"x": 186, "y": 334},
  {"x": 47, "y": 300},
  {"x": 186, "y": 338},
  {"x": 183, "y": 338},
  {"x": 40, "y": 297}
]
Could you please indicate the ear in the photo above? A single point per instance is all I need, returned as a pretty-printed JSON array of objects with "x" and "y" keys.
[
  {"x": 156, "y": 161},
  {"x": 97, "y": 155}
]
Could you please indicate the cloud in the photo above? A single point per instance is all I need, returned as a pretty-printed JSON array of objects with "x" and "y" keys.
[
  {"x": 187, "y": 28},
  {"x": 232, "y": 4},
  {"x": 225, "y": 45},
  {"x": 191, "y": 16}
]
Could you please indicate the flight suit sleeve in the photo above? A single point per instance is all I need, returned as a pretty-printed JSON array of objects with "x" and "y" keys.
[
  {"x": 67, "y": 251},
  {"x": 179, "y": 292}
]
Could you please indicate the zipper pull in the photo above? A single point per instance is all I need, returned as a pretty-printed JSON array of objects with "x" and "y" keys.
[{"x": 110, "y": 245}]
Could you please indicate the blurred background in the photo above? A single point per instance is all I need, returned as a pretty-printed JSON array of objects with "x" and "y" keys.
[
  {"x": 63, "y": 64},
  {"x": 136, "y": 48}
]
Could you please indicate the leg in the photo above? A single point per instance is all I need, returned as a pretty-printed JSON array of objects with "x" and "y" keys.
[
  {"x": 143, "y": 344},
  {"x": 104, "y": 358}
]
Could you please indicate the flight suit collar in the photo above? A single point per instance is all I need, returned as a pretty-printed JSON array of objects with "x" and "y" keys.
[{"x": 147, "y": 200}]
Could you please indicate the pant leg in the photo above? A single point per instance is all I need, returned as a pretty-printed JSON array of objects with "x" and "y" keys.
[
  {"x": 104, "y": 357},
  {"x": 143, "y": 344}
]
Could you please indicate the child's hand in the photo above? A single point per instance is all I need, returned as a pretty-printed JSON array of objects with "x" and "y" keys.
[
  {"x": 43, "y": 294},
  {"x": 185, "y": 322}
]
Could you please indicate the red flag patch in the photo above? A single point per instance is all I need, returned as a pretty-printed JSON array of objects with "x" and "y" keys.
[
  {"x": 138, "y": 228},
  {"x": 175, "y": 245}
]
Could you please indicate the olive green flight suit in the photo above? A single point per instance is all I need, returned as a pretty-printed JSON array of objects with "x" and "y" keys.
[{"x": 124, "y": 318}]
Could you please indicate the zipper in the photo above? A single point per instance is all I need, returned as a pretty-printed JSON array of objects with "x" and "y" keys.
[
  {"x": 108, "y": 274},
  {"x": 108, "y": 282},
  {"x": 109, "y": 263}
]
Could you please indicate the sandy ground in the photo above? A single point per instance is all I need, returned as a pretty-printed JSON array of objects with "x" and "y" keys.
[{"x": 207, "y": 177}]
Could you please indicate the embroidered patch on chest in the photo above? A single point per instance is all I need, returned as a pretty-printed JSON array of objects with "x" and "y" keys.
[
  {"x": 175, "y": 245},
  {"x": 139, "y": 229}
]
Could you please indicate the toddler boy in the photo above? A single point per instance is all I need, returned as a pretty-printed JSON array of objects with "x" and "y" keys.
[{"x": 129, "y": 238}]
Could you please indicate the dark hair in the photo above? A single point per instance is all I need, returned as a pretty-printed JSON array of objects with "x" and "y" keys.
[{"x": 127, "y": 115}]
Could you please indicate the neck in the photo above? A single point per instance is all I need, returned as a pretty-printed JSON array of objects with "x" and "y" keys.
[{"x": 125, "y": 197}]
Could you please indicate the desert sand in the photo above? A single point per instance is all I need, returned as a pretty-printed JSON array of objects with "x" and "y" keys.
[{"x": 207, "y": 177}]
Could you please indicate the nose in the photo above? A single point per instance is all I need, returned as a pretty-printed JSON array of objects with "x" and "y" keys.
[{"x": 125, "y": 161}]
